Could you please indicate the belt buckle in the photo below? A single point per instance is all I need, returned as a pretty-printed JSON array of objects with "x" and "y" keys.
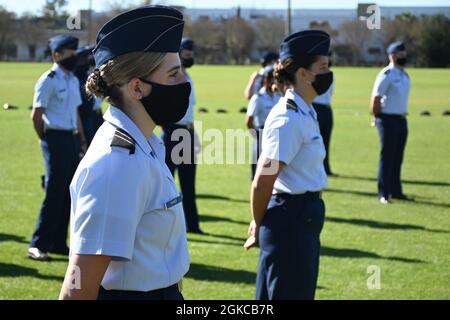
[{"x": 180, "y": 285}]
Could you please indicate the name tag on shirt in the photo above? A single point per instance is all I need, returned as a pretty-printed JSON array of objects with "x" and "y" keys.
[{"x": 173, "y": 202}]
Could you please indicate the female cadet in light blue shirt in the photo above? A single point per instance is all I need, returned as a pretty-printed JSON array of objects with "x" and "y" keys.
[
  {"x": 128, "y": 234},
  {"x": 258, "y": 109},
  {"x": 286, "y": 199}
]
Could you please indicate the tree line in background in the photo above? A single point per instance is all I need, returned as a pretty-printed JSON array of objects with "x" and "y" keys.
[{"x": 237, "y": 41}]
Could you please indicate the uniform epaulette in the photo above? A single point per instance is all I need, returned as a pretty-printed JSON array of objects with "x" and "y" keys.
[
  {"x": 124, "y": 140},
  {"x": 387, "y": 71},
  {"x": 51, "y": 74},
  {"x": 290, "y": 104}
]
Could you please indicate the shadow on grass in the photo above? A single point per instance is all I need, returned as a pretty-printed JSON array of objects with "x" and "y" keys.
[
  {"x": 355, "y": 253},
  {"x": 225, "y": 243},
  {"x": 383, "y": 225},
  {"x": 217, "y": 197},
  {"x": 375, "y": 196},
  {"x": 14, "y": 270},
  {"x": 204, "y": 272},
  {"x": 417, "y": 182},
  {"x": 208, "y": 218},
  {"x": 224, "y": 236},
  {"x": 11, "y": 237}
]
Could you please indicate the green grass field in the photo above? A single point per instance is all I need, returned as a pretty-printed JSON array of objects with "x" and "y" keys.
[{"x": 409, "y": 241}]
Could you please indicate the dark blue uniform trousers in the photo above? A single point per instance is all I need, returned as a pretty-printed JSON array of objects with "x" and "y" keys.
[
  {"x": 290, "y": 247},
  {"x": 186, "y": 171},
  {"x": 91, "y": 123},
  {"x": 393, "y": 133},
  {"x": 325, "y": 118},
  {"x": 61, "y": 156},
  {"x": 256, "y": 149}
]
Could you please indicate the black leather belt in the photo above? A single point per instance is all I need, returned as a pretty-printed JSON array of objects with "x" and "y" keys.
[
  {"x": 307, "y": 195},
  {"x": 124, "y": 294},
  {"x": 73, "y": 132},
  {"x": 388, "y": 115}
]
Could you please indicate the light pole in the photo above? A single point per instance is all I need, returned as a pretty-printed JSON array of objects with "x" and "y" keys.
[
  {"x": 287, "y": 27},
  {"x": 89, "y": 24}
]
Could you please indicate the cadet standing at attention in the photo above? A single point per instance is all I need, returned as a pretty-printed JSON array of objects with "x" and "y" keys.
[
  {"x": 128, "y": 233},
  {"x": 57, "y": 124},
  {"x": 258, "y": 109},
  {"x": 181, "y": 136},
  {"x": 389, "y": 105},
  {"x": 286, "y": 202}
]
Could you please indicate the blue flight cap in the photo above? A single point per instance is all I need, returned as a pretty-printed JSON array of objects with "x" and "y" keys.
[
  {"x": 84, "y": 51},
  {"x": 145, "y": 29},
  {"x": 61, "y": 42},
  {"x": 309, "y": 42},
  {"x": 187, "y": 43},
  {"x": 395, "y": 47},
  {"x": 269, "y": 56}
]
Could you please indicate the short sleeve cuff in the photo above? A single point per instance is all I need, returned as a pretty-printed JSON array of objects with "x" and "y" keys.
[{"x": 118, "y": 250}]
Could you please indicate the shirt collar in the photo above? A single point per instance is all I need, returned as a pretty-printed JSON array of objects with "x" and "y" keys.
[
  {"x": 393, "y": 67},
  {"x": 60, "y": 72},
  {"x": 119, "y": 119},
  {"x": 304, "y": 108}
]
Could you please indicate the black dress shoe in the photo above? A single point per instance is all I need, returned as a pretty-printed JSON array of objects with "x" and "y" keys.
[
  {"x": 197, "y": 231},
  {"x": 60, "y": 251}
]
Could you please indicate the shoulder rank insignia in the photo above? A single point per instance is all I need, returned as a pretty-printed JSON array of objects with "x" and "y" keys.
[
  {"x": 290, "y": 104},
  {"x": 51, "y": 74},
  {"x": 124, "y": 140},
  {"x": 387, "y": 71}
]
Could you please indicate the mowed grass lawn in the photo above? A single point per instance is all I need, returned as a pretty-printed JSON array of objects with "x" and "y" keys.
[{"x": 408, "y": 241}]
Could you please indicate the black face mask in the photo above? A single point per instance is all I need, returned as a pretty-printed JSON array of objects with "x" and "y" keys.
[
  {"x": 69, "y": 63},
  {"x": 167, "y": 104},
  {"x": 322, "y": 82},
  {"x": 401, "y": 61},
  {"x": 187, "y": 63}
]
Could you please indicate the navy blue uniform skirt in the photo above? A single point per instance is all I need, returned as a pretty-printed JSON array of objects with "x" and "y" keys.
[{"x": 290, "y": 247}]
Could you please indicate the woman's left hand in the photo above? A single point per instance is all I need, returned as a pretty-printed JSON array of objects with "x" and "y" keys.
[{"x": 252, "y": 232}]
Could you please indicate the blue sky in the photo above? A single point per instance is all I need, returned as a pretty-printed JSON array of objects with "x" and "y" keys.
[{"x": 20, "y": 6}]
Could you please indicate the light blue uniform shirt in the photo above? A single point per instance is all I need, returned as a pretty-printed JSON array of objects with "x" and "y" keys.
[
  {"x": 293, "y": 137},
  {"x": 59, "y": 94},
  {"x": 189, "y": 116},
  {"x": 260, "y": 105},
  {"x": 127, "y": 206},
  {"x": 392, "y": 85}
]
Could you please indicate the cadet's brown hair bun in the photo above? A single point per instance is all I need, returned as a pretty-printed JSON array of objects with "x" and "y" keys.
[{"x": 96, "y": 85}]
